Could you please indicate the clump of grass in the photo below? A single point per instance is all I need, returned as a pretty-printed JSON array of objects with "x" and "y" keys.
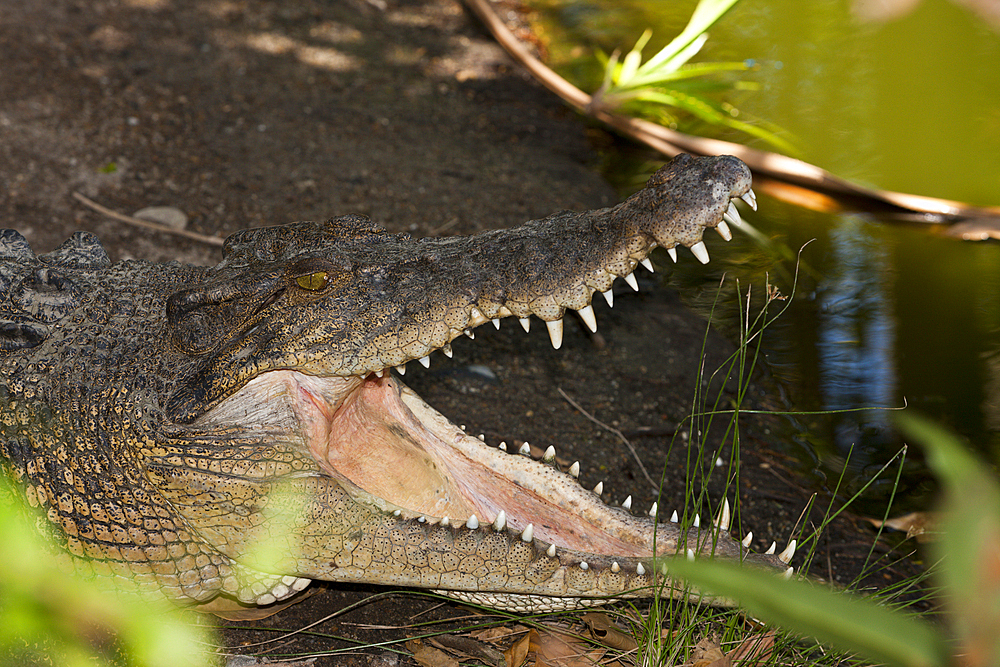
[{"x": 667, "y": 81}]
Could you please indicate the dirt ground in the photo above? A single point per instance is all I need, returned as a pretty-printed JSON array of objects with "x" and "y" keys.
[{"x": 245, "y": 113}]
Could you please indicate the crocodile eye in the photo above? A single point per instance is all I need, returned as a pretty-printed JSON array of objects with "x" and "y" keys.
[{"x": 314, "y": 282}]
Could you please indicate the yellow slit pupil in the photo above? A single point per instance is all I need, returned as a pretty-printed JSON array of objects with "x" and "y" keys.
[{"x": 313, "y": 281}]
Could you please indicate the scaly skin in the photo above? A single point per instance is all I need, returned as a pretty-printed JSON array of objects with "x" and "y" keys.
[{"x": 234, "y": 431}]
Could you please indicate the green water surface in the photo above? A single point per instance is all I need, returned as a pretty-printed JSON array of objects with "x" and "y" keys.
[{"x": 884, "y": 314}]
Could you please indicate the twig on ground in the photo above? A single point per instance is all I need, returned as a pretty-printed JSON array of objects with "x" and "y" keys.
[
  {"x": 146, "y": 224},
  {"x": 612, "y": 429}
]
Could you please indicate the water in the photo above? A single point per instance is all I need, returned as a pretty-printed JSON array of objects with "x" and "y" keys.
[{"x": 884, "y": 314}]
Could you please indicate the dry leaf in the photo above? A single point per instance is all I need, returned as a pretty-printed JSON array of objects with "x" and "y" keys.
[
  {"x": 757, "y": 647},
  {"x": 427, "y": 656},
  {"x": 604, "y": 631},
  {"x": 708, "y": 653},
  {"x": 517, "y": 654},
  {"x": 466, "y": 647},
  {"x": 554, "y": 647},
  {"x": 921, "y": 525}
]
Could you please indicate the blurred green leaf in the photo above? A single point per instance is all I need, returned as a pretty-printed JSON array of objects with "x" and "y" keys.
[{"x": 839, "y": 619}]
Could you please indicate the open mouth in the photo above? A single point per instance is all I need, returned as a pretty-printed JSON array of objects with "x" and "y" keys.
[{"x": 383, "y": 444}]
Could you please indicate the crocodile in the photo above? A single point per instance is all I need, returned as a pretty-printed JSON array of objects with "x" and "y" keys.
[{"x": 229, "y": 434}]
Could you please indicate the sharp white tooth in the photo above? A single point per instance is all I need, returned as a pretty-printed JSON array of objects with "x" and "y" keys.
[
  {"x": 472, "y": 523},
  {"x": 445, "y": 521},
  {"x": 673, "y": 517},
  {"x": 697, "y": 521},
  {"x": 551, "y": 551},
  {"x": 700, "y": 251},
  {"x": 724, "y": 516},
  {"x": 574, "y": 470},
  {"x": 462, "y": 426},
  {"x": 627, "y": 503},
  {"x": 750, "y": 198},
  {"x": 615, "y": 567},
  {"x": 482, "y": 436},
  {"x": 599, "y": 489},
  {"x": 401, "y": 369},
  {"x": 648, "y": 264},
  {"x": 639, "y": 569},
  {"x": 397, "y": 513},
  {"x": 787, "y": 554},
  {"x": 609, "y": 296},
  {"x": 770, "y": 550},
  {"x": 732, "y": 215},
  {"x": 690, "y": 554},
  {"x": 550, "y": 454},
  {"x": 748, "y": 540},
  {"x": 673, "y": 254},
  {"x": 496, "y": 323},
  {"x": 787, "y": 574},
  {"x": 446, "y": 349},
  {"x": 555, "y": 328},
  {"x": 525, "y": 450},
  {"x": 421, "y": 518},
  {"x": 470, "y": 334},
  {"x": 723, "y": 230},
  {"x": 630, "y": 279},
  {"x": 587, "y": 315},
  {"x": 525, "y": 323},
  {"x": 500, "y": 521},
  {"x": 425, "y": 360},
  {"x": 378, "y": 373},
  {"x": 503, "y": 446},
  {"x": 529, "y": 533},
  {"x": 653, "y": 509},
  {"x": 584, "y": 565}
]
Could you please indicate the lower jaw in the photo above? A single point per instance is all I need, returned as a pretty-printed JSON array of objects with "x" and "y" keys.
[{"x": 417, "y": 460}]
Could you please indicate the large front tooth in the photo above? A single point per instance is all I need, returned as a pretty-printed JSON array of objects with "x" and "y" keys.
[
  {"x": 425, "y": 360},
  {"x": 673, "y": 254},
  {"x": 630, "y": 279},
  {"x": 627, "y": 503},
  {"x": 770, "y": 549},
  {"x": 525, "y": 324},
  {"x": 529, "y": 533},
  {"x": 555, "y": 328},
  {"x": 786, "y": 555},
  {"x": 732, "y": 215},
  {"x": 574, "y": 470},
  {"x": 500, "y": 521},
  {"x": 472, "y": 523},
  {"x": 648, "y": 264},
  {"x": 599, "y": 489},
  {"x": 588, "y": 317},
  {"x": 724, "y": 516},
  {"x": 609, "y": 296},
  {"x": 723, "y": 230},
  {"x": 496, "y": 323},
  {"x": 700, "y": 251},
  {"x": 550, "y": 454},
  {"x": 748, "y": 540},
  {"x": 750, "y": 198}
]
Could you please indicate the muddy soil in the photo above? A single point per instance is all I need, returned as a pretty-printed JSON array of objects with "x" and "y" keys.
[{"x": 246, "y": 113}]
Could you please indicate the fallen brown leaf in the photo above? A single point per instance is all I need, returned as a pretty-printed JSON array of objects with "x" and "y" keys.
[
  {"x": 755, "y": 648},
  {"x": 708, "y": 653},
  {"x": 604, "y": 631},
  {"x": 921, "y": 525},
  {"x": 518, "y": 652},
  {"x": 428, "y": 656}
]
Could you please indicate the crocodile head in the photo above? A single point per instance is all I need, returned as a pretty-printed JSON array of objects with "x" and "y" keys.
[{"x": 294, "y": 335}]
